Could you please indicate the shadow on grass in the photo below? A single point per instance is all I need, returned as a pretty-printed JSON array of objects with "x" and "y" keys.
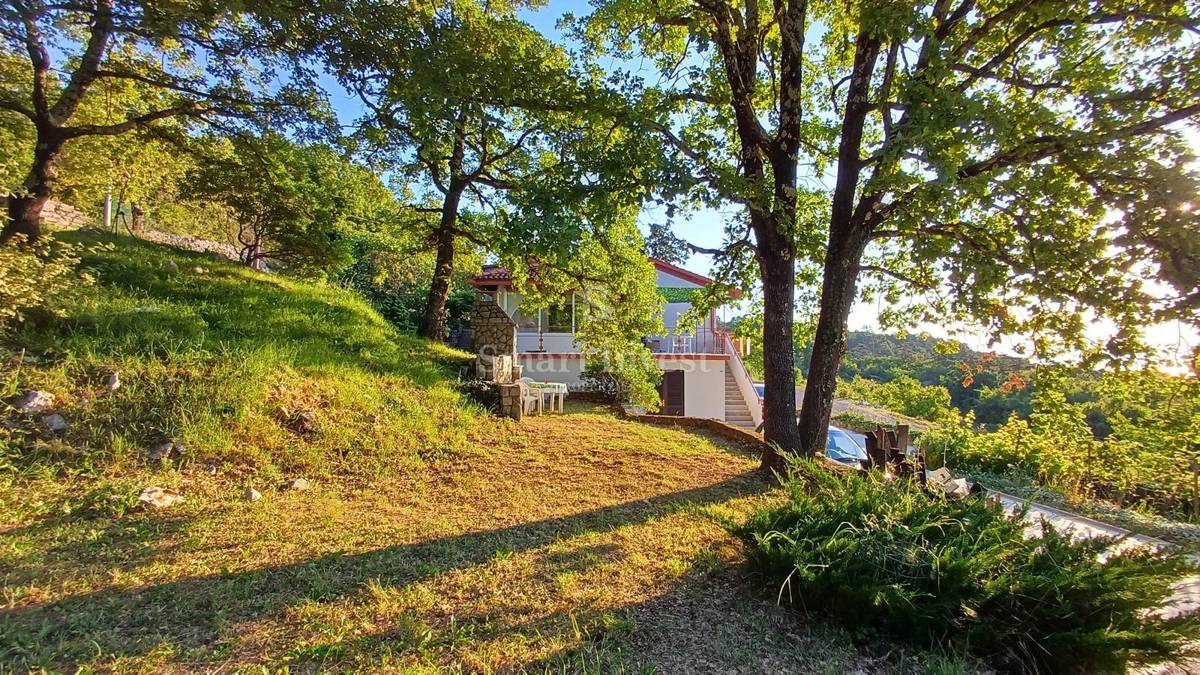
[
  {"x": 713, "y": 618},
  {"x": 195, "y": 614}
]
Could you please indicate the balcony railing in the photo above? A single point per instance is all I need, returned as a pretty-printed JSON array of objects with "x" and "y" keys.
[{"x": 700, "y": 341}]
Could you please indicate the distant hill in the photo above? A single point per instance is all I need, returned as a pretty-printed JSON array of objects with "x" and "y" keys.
[
  {"x": 863, "y": 345},
  {"x": 973, "y": 378}
]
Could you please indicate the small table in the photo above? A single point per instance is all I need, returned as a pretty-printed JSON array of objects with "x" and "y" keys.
[{"x": 555, "y": 390}]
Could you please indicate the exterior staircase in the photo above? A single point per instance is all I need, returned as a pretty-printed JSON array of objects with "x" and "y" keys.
[{"x": 736, "y": 412}]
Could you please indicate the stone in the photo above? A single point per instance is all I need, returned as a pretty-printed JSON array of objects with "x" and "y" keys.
[
  {"x": 939, "y": 477},
  {"x": 303, "y": 423},
  {"x": 170, "y": 267},
  {"x": 113, "y": 381},
  {"x": 492, "y": 330},
  {"x": 253, "y": 495},
  {"x": 298, "y": 484},
  {"x": 159, "y": 498},
  {"x": 55, "y": 422},
  {"x": 958, "y": 487},
  {"x": 34, "y": 401},
  {"x": 166, "y": 449},
  {"x": 511, "y": 401},
  {"x": 198, "y": 270}
]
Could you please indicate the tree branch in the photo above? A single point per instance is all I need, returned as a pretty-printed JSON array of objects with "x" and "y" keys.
[
  {"x": 916, "y": 283},
  {"x": 89, "y": 63},
  {"x": 189, "y": 109}
]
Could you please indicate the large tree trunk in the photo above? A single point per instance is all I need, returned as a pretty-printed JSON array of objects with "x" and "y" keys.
[
  {"x": 829, "y": 344},
  {"x": 779, "y": 365},
  {"x": 433, "y": 325},
  {"x": 25, "y": 210},
  {"x": 849, "y": 232}
]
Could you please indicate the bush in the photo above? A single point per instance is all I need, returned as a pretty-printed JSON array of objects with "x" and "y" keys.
[
  {"x": 42, "y": 274},
  {"x": 902, "y": 395},
  {"x": 883, "y": 554},
  {"x": 1145, "y": 459}
]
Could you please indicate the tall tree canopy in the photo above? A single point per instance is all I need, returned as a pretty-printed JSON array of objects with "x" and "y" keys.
[
  {"x": 512, "y": 150},
  {"x": 293, "y": 204},
  {"x": 211, "y": 61},
  {"x": 1017, "y": 163},
  {"x": 467, "y": 101}
]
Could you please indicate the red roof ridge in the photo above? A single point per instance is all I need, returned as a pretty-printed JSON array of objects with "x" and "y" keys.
[{"x": 680, "y": 272}]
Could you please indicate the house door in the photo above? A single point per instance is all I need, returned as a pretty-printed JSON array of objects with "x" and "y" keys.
[{"x": 671, "y": 392}]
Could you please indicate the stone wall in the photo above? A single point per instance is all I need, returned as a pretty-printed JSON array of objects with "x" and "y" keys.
[
  {"x": 492, "y": 331},
  {"x": 511, "y": 403},
  {"x": 498, "y": 368},
  {"x": 58, "y": 215}
]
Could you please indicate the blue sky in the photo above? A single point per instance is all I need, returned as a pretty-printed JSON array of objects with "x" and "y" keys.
[{"x": 704, "y": 228}]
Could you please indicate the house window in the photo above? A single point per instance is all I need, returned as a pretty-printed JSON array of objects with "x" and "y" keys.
[
  {"x": 525, "y": 322},
  {"x": 557, "y": 319}
]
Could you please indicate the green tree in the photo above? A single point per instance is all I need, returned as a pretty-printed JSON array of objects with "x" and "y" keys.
[
  {"x": 294, "y": 204},
  {"x": 210, "y": 61},
  {"x": 467, "y": 101},
  {"x": 962, "y": 158}
]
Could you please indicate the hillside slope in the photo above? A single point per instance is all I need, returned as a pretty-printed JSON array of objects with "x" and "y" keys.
[{"x": 261, "y": 371}]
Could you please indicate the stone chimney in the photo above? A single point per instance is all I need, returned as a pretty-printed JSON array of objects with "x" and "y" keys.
[{"x": 492, "y": 331}]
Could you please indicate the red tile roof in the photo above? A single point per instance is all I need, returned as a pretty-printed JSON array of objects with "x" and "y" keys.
[{"x": 490, "y": 275}]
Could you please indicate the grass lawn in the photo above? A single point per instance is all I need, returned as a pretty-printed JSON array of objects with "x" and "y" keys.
[{"x": 434, "y": 537}]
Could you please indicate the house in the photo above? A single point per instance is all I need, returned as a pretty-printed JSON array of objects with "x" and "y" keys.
[{"x": 703, "y": 372}]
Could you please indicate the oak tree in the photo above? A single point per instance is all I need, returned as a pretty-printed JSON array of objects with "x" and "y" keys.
[
  {"x": 1015, "y": 163},
  {"x": 464, "y": 99},
  {"x": 216, "y": 61}
]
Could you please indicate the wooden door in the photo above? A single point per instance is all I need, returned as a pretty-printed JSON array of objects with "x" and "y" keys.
[{"x": 671, "y": 392}]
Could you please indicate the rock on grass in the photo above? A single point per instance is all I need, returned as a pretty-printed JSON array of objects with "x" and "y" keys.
[
  {"x": 159, "y": 498},
  {"x": 34, "y": 401}
]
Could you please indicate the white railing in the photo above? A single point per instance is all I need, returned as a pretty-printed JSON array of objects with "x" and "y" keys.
[
  {"x": 699, "y": 341},
  {"x": 557, "y": 343},
  {"x": 745, "y": 383}
]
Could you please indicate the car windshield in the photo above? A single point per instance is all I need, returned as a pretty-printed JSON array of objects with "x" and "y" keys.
[{"x": 841, "y": 446}]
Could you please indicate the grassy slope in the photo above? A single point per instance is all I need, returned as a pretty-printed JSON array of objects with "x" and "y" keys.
[{"x": 434, "y": 537}]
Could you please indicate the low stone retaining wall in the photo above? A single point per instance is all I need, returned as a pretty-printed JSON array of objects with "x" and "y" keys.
[{"x": 727, "y": 431}]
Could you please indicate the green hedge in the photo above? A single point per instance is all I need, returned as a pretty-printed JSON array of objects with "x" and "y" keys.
[
  {"x": 880, "y": 554},
  {"x": 677, "y": 294}
]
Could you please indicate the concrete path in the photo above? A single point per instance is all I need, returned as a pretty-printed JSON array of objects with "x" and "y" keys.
[{"x": 1186, "y": 598}]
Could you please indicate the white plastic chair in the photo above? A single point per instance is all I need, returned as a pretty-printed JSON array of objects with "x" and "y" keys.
[{"x": 531, "y": 398}]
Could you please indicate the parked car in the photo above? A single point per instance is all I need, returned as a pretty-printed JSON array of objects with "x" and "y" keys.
[{"x": 843, "y": 447}]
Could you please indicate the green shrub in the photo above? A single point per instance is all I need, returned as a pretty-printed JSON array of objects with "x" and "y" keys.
[
  {"x": 882, "y": 554},
  {"x": 1144, "y": 460},
  {"x": 903, "y": 395},
  {"x": 42, "y": 274}
]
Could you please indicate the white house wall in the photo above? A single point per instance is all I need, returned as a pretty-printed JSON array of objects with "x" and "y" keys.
[
  {"x": 703, "y": 380},
  {"x": 671, "y": 312},
  {"x": 561, "y": 368},
  {"x": 703, "y": 386},
  {"x": 550, "y": 342},
  {"x": 668, "y": 280}
]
